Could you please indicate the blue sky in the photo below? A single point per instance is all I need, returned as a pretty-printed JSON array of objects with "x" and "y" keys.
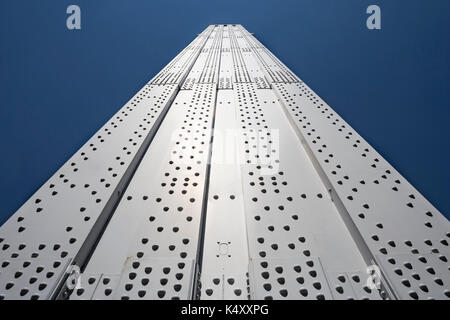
[{"x": 57, "y": 87}]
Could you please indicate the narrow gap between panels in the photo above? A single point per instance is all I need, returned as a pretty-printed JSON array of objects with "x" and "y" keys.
[{"x": 201, "y": 238}]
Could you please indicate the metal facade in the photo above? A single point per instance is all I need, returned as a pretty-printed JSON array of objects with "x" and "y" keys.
[{"x": 226, "y": 177}]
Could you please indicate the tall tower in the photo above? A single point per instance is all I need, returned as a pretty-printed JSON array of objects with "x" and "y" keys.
[{"x": 225, "y": 177}]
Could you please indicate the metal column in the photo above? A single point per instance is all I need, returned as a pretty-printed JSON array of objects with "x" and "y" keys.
[{"x": 226, "y": 177}]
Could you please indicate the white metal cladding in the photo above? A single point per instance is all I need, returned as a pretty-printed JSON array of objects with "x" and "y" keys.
[
  {"x": 226, "y": 177},
  {"x": 160, "y": 214},
  {"x": 159, "y": 219},
  {"x": 224, "y": 275}
]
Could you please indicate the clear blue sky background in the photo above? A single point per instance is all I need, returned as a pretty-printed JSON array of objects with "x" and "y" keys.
[{"x": 57, "y": 87}]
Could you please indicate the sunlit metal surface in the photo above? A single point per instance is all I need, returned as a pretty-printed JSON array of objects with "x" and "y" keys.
[{"x": 226, "y": 177}]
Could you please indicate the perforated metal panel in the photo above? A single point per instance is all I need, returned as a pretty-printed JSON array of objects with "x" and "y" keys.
[
  {"x": 226, "y": 177},
  {"x": 160, "y": 216},
  {"x": 62, "y": 220}
]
